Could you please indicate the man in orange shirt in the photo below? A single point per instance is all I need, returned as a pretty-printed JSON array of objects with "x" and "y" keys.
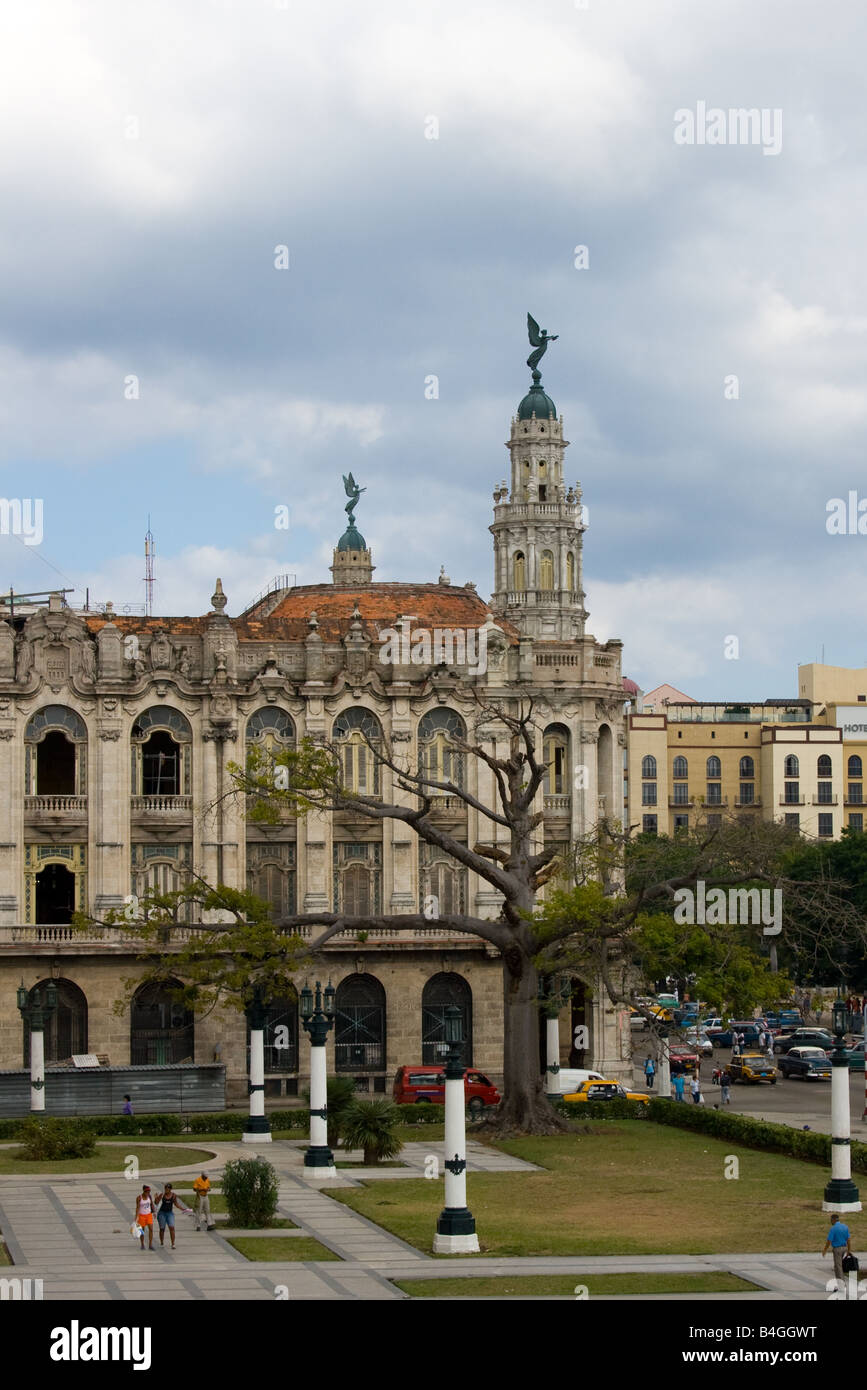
[{"x": 202, "y": 1189}]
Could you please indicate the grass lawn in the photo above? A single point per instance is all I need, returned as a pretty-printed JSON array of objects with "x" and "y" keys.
[
  {"x": 274, "y": 1249},
  {"x": 359, "y": 1163},
  {"x": 280, "y": 1223},
  {"x": 106, "y": 1159},
  {"x": 564, "y": 1285},
  {"x": 620, "y": 1187}
]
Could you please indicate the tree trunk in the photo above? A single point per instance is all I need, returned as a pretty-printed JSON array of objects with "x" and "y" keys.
[
  {"x": 525, "y": 1108},
  {"x": 371, "y": 1158}
]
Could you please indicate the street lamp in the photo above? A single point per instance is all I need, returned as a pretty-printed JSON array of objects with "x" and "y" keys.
[
  {"x": 257, "y": 1129},
  {"x": 553, "y": 994},
  {"x": 841, "y": 1194},
  {"x": 456, "y": 1227},
  {"x": 317, "y": 1018},
  {"x": 36, "y": 1008}
]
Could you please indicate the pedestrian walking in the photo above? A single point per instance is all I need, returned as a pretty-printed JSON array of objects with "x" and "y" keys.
[
  {"x": 127, "y": 1106},
  {"x": 725, "y": 1085},
  {"x": 695, "y": 1088},
  {"x": 649, "y": 1071},
  {"x": 202, "y": 1189},
  {"x": 144, "y": 1216},
  {"x": 678, "y": 1082},
  {"x": 736, "y": 1044},
  {"x": 839, "y": 1242},
  {"x": 166, "y": 1201}
]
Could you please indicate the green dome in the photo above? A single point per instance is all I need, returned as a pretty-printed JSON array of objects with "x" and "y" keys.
[
  {"x": 352, "y": 539},
  {"x": 537, "y": 403}
]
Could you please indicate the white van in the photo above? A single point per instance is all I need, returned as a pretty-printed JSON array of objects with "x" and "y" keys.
[{"x": 568, "y": 1079}]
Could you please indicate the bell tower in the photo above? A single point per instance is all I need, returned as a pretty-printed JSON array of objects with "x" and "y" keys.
[{"x": 538, "y": 526}]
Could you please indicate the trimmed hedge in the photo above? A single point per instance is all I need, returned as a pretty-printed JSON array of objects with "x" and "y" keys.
[
  {"x": 223, "y": 1122},
  {"x": 601, "y": 1109},
  {"x": 806, "y": 1145}
]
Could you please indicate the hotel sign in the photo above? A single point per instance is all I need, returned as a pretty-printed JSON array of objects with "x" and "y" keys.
[{"x": 852, "y": 719}]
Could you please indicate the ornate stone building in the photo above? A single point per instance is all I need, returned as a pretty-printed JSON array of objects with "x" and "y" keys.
[{"x": 116, "y": 731}]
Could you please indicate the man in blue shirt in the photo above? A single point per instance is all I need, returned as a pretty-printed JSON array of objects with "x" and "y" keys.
[
  {"x": 839, "y": 1242},
  {"x": 679, "y": 1082}
]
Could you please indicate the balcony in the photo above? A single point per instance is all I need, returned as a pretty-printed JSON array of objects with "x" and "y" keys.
[
  {"x": 792, "y": 801},
  {"x": 676, "y": 805},
  {"x": 55, "y": 809},
  {"x": 823, "y": 800},
  {"x": 558, "y": 805},
  {"x": 165, "y": 809},
  {"x": 745, "y": 805},
  {"x": 51, "y": 940},
  {"x": 451, "y": 804}
]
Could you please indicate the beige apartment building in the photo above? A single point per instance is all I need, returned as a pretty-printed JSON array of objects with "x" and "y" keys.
[{"x": 799, "y": 760}]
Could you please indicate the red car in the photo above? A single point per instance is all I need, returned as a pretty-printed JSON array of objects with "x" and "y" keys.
[
  {"x": 426, "y": 1086},
  {"x": 682, "y": 1059}
]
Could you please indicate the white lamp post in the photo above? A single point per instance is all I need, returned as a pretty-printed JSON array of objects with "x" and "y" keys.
[
  {"x": 841, "y": 1194},
  {"x": 36, "y": 1012},
  {"x": 317, "y": 1021},
  {"x": 257, "y": 1129},
  {"x": 456, "y": 1227}
]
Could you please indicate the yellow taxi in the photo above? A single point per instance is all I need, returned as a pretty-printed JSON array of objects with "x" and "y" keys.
[{"x": 605, "y": 1090}]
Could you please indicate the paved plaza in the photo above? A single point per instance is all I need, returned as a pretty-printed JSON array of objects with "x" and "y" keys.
[{"x": 73, "y": 1233}]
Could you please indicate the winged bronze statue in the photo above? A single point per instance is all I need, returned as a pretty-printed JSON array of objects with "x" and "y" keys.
[
  {"x": 539, "y": 339},
  {"x": 353, "y": 492}
]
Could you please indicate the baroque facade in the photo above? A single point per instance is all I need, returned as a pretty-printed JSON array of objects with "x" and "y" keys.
[{"x": 115, "y": 736}]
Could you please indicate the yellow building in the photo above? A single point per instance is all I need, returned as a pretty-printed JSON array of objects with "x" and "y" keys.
[{"x": 797, "y": 760}]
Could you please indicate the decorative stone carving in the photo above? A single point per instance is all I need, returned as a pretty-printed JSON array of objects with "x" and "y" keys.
[
  {"x": 87, "y": 661},
  {"x": 161, "y": 651},
  {"x": 23, "y": 659},
  {"x": 218, "y": 598}
]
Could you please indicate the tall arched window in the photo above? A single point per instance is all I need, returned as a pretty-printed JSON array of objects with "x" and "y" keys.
[
  {"x": 55, "y": 760},
  {"x": 855, "y": 766},
  {"x": 438, "y": 757},
  {"x": 161, "y": 1029},
  {"x": 66, "y": 1028},
  {"x": 555, "y": 755},
  {"x": 162, "y": 740},
  {"x": 439, "y": 992},
  {"x": 747, "y": 767},
  {"x": 791, "y": 766},
  {"x": 823, "y": 766},
  {"x": 546, "y": 570},
  {"x": 680, "y": 768},
  {"x": 570, "y": 571},
  {"x": 714, "y": 767},
  {"x": 271, "y": 729},
  {"x": 358, "y": 735},
  {"x": 519, "y": 573},
  {"x": 648, "y": 766},
  {"x": 359, "y": 1028},
  {"x": 442, "y": 883}
]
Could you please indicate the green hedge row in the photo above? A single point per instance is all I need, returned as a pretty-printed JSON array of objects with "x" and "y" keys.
[
  {"x": 223, "y": 1122},
  {"x": 602, "y": 1109},
  {"x": 753, "y": 1134}
]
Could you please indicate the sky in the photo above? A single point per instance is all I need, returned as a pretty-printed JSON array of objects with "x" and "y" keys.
[{"x": 430, "y": 171}]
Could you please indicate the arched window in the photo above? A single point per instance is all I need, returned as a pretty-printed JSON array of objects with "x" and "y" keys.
[
  {"x": 55, "y": 894},
  {"x": 519, "y": 574},
  {"x": 357, "y": 878},
  {"x": 270, "y": 727},
  {"x": 555, "y": 755},
  {"x": 280, "y": 1034},
  {"x": 439, "y": 992},
  {"x": 570, "y": 571},
  {"x": 161, "y": 1029},
  {"x": 546, "y": 570},
  {"x": 747, "y": 767},
  {"x": 358, "y": 735},
  {"x": 55, "y": 753},
  {"x": 438, "y": 758},
  {"x": 274, "y": 880},
  {"x": 359, "y": 1028},
  {"x": 855, "y": 766},
  {"x": 442, "y": 883},
  {"x": 791, "y": 766},
  {"x": 161, "y": 739},
  {"x": 648, "y": 766},
  {"x": 714, "y": 767},
  {"x": 680, "y": 768},
  {"x": 66, "y": 1028},
  {"x": 823, "y": 766}
]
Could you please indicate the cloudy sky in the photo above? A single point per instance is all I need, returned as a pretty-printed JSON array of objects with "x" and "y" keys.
[{"x": 154, "y": 156}]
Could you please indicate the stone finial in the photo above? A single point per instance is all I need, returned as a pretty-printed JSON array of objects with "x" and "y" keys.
[
  {"x": 218, "y": 598},
  {"x": 468, "y": 584},
  {"x": 443, "y": 579},
  {"x": 313, "y": 621},
  {"x": 109, "y": 611}
]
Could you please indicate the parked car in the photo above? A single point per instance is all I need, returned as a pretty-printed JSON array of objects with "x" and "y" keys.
[
  {"x": 605, "y": 1090},
  {"x": 752, "y": 1066},
  {"x": 569, "y": 1078},
  {"x": 711, "y": 1025},
  {"x": 699, "y": 1041},
  {"x": 682, "y": 1058},
  {"x": 426, "y": 1086},
  {"x": 855, "y": 1054},
  {"x": 807, "y": 1063},
  {"x": 804, "y": 1037},
  {"x": 686, "y": 1013},
  {"x": 749, "y": 1027}
]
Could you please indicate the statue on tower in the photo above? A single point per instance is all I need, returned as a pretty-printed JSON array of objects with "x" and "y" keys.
[
  {"x": 353, "y": 492},
  {"x": 539, "y": 339}
]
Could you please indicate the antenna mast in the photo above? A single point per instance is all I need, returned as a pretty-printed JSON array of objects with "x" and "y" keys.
[{"x": 150, "y": 551}]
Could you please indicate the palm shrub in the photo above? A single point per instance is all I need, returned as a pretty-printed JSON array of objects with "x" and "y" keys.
[
  {"x": 370, "y": 1125},
  {"x": 251, "y": 1189}
]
